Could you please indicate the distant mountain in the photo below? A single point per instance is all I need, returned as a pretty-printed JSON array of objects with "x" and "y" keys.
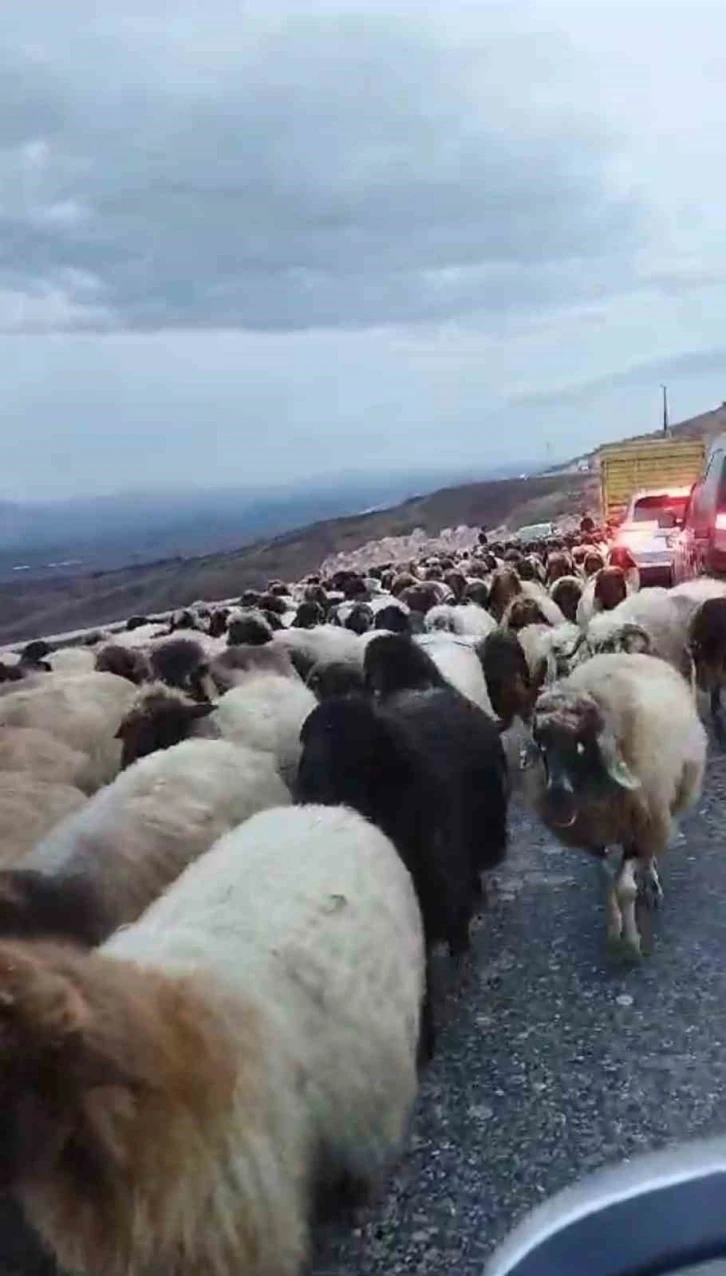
[{"x": 92, "y": 533}]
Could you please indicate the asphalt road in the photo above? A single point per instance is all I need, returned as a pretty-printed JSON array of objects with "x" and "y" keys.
[{"x": 551, "y": 1062}]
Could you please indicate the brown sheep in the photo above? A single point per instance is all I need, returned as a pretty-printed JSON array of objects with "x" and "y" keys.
[{"x": 505, "y": 585}]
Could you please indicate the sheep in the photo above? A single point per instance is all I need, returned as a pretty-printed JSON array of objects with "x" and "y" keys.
[
  {"x": 308, "y": 615},
  {"x": 650, "y": 622},
  {"x": 29, "y": 807},
  {"x": 126, "y": 662},
  {"x": 465, "y": 621},
  {"x": 395, "y": 617},
  {"x": 538, "y": 592},
  {"x": 549, "y": 652},
  {"x": 505, "y": 585},
  {"x": 621, "y": 556},
  {"x": 592, "y": 561},
  {"x": 158, "y": 718},
  {"x": 359, "y": 618},
  {"x": 72, "y": 660},
  {"x": 428, "y": 769},
  {"x": 707, "y": 646},
  {"x": 133, "y": 838},
  {"x": 337, "y": 678},
  {"x": 624, "y": 753},
  {"x": 265, "y": 713},
  {"x": 566, "y": 592},
  {"x": 83, "y": 712},
  {"x": 522, "y": 612},
  {"x": 41, "y": 755},
  {"x": 249, "y": 628},
  {"x": 324, "y": 643},
  {"x": 182, "y": 663},
  {"x": 559, "y": 564},
  {"x": 457, "y": 660},
  {"x": 234, "y": 665},
  {"x": 604, "y": 591},
  {"x": 507, "y": 676},
  {"x": 245, "y": 1047},
  {"x": 393, "y": 662}
]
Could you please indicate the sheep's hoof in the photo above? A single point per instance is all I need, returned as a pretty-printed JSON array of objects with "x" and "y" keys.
[{"x": 622, "y": 950}]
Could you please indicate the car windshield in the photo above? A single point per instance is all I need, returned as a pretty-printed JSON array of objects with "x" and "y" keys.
[{"x": 662, "y": 508}]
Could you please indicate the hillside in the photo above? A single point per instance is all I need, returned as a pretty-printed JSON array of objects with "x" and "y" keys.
[{"x": 30, "y": 607}]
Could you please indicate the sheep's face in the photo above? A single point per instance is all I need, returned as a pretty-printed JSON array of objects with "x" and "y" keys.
[
  {"x": 308, "y": 615},
  {"x": 360, "y": 619},
  {"x": 338, "y": 678},
  {"x": 580, "y": 756},
  {"x": 159, "y": 723},
  {"x": 394, "y": 619},
  {"x": 707, "y": 642},
  {"x": 566, "y": 592},
  {"x": 507, "y": 677},
  {"x": 610, "y": 588},
  {"x": 253, "y": 630},
  {"x": 523, "y": 611},
  {"x": 394, "y": 663},
  {"x": 505, "y": 585}
]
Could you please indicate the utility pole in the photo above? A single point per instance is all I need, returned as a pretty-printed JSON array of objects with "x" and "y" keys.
[{"x": 664, "y": 388}]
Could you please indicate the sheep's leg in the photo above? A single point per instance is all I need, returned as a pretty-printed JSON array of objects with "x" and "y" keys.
[
  {"x": 650, "y": 884},
  {"x": 626, "y": 892},
  {"x": 427, "y": 1027},
  {"x": 716, "y": 715},
  {"x": 614, "y": 915}
]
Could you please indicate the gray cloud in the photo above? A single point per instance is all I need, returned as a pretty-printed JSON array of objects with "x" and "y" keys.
[
  {"x": 346, "y": 169},
  {"x": 249, "y": 243}
]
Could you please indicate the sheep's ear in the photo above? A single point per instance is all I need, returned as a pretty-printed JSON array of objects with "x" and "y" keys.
[
  {"x": 615, "y": 764},
  {"x": 123, "y": 731}
]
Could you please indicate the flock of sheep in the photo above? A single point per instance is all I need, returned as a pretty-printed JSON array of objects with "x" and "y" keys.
[{"x": 231, "y": 841}]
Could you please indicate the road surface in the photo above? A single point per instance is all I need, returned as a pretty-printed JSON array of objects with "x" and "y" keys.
[
  {"x": 550, "y": 1062},
  {"x": 553, "y": 1063}
]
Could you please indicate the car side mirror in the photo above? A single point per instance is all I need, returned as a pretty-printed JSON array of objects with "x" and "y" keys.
[{"x": 655, "y": 1215}]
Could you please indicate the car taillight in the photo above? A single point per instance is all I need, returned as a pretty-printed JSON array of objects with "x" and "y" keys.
[{"x": 721, "y": 522}]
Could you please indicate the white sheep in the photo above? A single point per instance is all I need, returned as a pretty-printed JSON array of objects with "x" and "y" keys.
[
  {"x": 650, "y": 622},
  {"x": 41, "y": 755},
  {"x": 267, "y": 712},
  {"x": 538, "y": 592},
  {"x": 71, "y": 661},
  {"x": 83, "y": 712},
  {"x": 464, "y": 620},
  {"x": 247, "y": 1045},
  {"x": 624, "y": 753},
  {"x": 457, "y": 660},
  {"x": 549, "y": 651},
  {"x": 29, "y": 808},
  {"x": 134, "y": 837}
]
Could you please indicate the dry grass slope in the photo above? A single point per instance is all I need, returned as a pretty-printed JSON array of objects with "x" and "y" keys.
[{"x": 34, "y": 607}]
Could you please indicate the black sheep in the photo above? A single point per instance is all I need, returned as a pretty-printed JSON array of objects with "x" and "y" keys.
[{"x": 427, "y": 767}]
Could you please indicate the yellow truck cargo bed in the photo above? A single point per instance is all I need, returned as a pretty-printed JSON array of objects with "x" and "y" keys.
[{"x": 625, "y": 468}]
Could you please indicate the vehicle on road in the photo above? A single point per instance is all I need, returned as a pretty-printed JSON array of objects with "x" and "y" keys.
[
  {"x": 700, "y": 549},
  {"x": 649, "y": 530},
  {"x": 646, "y": 465},
  {"x": 536, "y": 532}
]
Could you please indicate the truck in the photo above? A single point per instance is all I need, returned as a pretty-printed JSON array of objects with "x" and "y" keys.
[{"x": 652, "y": 464}]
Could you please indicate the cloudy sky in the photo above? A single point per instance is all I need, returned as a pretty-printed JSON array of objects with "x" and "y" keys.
[{"x": 249, "y": 240}]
